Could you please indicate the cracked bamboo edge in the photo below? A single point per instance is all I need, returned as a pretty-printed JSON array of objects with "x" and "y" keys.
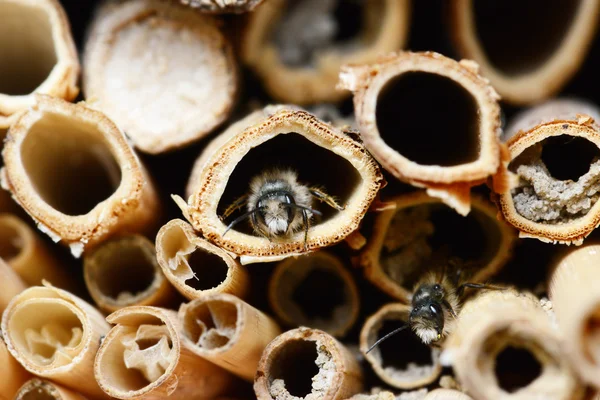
[
  {"x": 228, "y": 332},
  {"x": 451, "y": 184},
  {"x": 182, "y": 45},
  {"x": 370, "y": 258},
  {"x": 495, "y": 320},
  {"x": 40, "y": 389},
  {"x": 11, "y": 284},
  {"x": 222, "y": 6},
  {"x": 530, "y": 133},
  {"x": 29, "y": 257},
  {"x": 386, "y": 30},
  {"x": 45, "y": 317},
  {"x": 51, "y": 30},
  {"x": 113, "y": 270},
  {"x": 176, "y": 243},
  {"x": 13, "y": 373},
  {"x": 411, "y": 377},
  {"x": 576, "y": 303},
  {"x": 133, "y": 205},
  {"x": 542, "y": 82},
  {"x": 211, "y": 174},
  {"x": 143, "y": 356},
  {"x": 339, "y": 375},
  {"x": 294, "y": 272}
]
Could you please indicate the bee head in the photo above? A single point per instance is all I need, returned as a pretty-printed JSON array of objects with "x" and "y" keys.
[
  {"x": 427, "y": 320},
  {"x": 275, "y": 212}
]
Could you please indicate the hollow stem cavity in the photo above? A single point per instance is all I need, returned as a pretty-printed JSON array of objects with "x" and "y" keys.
[{"x": 212, "y": 324}]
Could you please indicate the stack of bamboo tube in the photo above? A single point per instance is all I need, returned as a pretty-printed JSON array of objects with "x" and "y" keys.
[{"x": 237, "y": 199}]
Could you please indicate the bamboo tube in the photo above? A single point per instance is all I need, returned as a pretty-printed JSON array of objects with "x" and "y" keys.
[
  {"x": 504, "y": 347},
  {"x": 408, "y": 89},
  {"x": 29, "y": 257},
  {"x": 535, "y": 55},
  {"x": 553, "y": 173},
  {"x": 228, "y": 332},
  {"x": 38, "y": 389},
  {"x": 55, "y": 335},
  {"x": 13, "y": 373},
  {"x": 403, "y": 362},
  {"x": 189, "y": 83},
  {"x": 83, "y": 188},
  {"x": 446, "y": 394},
  {"x": 38, "y": 55},
  {"x": 378, "y": 394},
  {"x": 316, "y": 291},
  {"x": 143, "y": 356},
  {"x": 406, "y": 241},
  {"x": 289, "y": 362},
  {"x": 194, "y": 266},
  {"x": 124, "y": 272},
  {"x": 11, "y": 284},
  {"x": 297, "y": 48},
  {"x": 338, "y": 163},
  {"x": 220, "y": 6},
  {"x": 574, "y": 295},
  {"x": 374, "y": 396}
]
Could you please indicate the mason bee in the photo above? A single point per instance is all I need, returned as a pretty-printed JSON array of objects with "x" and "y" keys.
[{"x": 278, "y": 205}]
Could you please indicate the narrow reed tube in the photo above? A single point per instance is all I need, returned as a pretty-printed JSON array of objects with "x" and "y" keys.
[
  {"x": 307, "y": 364},
  {"x": 13, "y": 373},
  {"x": 227, "y": 331},
  {"x": 29, "y": 256},
  {"x": 298, "y": 47},
  {"x": 39, "y": 389},
  {"x": 576, "y": 303},
  {"x": 11, "y": 284},
  {"x": 316, "y": 291},
  {"x": 38, "y": 56},
  {"x": 143, "y": 356},
  {"x": 421, "y": 232},
  {"x": 221, "y": 7},
  {"x": 83, "y": 188},
  {"x": 393, "y": 99},
  {"x": 196, "y": 267},
  {"x": 403, "y": 362},
  {"x": 55, "y": 335},
  {"x": 446, "y": 394},
  {"x": 124, "y": 272},
  {"x": 553, "y": 173},
  {"x": 532, "y": 57},
  {"x": 505, "y": 347},
  {"x": 247, "y": 152},
  {"x": 189, "y": 82}
]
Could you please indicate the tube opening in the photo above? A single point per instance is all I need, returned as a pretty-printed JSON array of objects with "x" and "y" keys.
[
  {"x": 211, "y": 324},
  {"x": 320, "y": 293},
  {"x": 72, "y": 174},
  {"x": 558, "y": 179},
  {"x": 293, "y": 369},
  {"x": 209, "y": 270},
  {"x": 313, "y": 164},
  {"x": 27, "y": 48},
  {"x": 534, "y": 32},
  {"x": 11, "y": 241},
  {"x": 36, "y": 389},
  {"x": 516, "y": 368},
  {"x": 423, "y": 237},
  {"x": 421, "y": 101}
]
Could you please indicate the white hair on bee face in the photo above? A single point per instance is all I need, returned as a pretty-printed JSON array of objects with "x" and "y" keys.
[{"x": 427, "y": 335}]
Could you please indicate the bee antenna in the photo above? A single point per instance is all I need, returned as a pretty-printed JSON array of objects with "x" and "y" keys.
[
  {"x": 293, "y": 205},
  {"x": 239, "y": 219},
  {"x": 392, "y": 333}
]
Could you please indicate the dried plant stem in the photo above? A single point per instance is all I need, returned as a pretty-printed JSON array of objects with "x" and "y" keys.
[
  {"x": 222, "y": 6},
  {"x": 38, "y": 389},
  {"x": 446, "y": 394},
  {"x": 11, "y": 284},
  {"x": 13, "y": 373}
]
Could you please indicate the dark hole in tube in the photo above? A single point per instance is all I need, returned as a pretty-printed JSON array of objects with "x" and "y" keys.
[
  {"x": 320, "y": 293},
  {"x": 568, "y": 157},
  {"x": 11, "y": 242},
  {"x": 516, "y": 368},
  {"x": 210, "y": 270},
  {"x": 295, "y": 365},
  {"x": 403, "y": 348},
  {"x": 429, "y": 119},
  {"x": 349, "y": 19},
  {"x": 520, "y": 36},
  {"x": 42, "y": 391}
]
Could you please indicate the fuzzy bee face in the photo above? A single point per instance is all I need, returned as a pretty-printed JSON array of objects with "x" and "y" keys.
[{"x": 275, "y": 214}]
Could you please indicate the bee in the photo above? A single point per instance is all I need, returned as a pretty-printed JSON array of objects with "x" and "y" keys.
[
  {"x": 435, "y": 305},
  {"x": 278, "y": 205}
]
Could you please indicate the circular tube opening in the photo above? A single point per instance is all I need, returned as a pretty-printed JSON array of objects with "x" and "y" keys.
[
  {"x": 294, "y": 367},
  {"x": 36, "y": 389},
  {"x": 516, "y": 368},
  {"x": 211, "y": 324}
]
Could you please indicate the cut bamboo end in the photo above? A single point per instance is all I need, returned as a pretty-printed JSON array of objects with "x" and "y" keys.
[
  {"x": 547, "y": 46},
  {"x": 447, "y": 394},
  {"x": 13, "y": 373},
  {"x": 403, "y": 362},
  {"x": 55, "y": 335},
  {"x": 408, "y": 240},
  {"x": 576, "y": 303},
  {"x": 298, "y": 54},
  {"x": 196, "y": 267},
  {"x": 505, "y": 347},
  {"x": 28, "y": 255},
  {"x": 396, "y": 96},
  {"x": 83, "y": 188},
  {"x": 143, "y": 355},
  {"x": 39, "y": 56},
  {"x": 227, "y": 331},
  {"x": 337, "y": 163},
  {"x": 553, "y": 170},
  {"x": 222, "y": 7},
  {"x": 307, "y": 363},
  {"x": 39, "y": 389},
  {"x": 316, "y": 291},
  {"x": 374, "y": 396},
  {"x": 190, "y": 77},
  {"x": 124, "y": 272},
  {"x": 11, "y": 285}
]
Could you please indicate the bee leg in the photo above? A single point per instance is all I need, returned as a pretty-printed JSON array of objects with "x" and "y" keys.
[
  {"x": 236, "y": 205},
  {"x": 306, "y": 223},
  {"x": 449, "y": 307},
  {"x": 462, "y": 287},
  {"x": 320, "y": 195}
]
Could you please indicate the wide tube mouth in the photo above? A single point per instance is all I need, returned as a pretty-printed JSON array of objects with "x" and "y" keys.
[
  {"x": 213, "y": 324},
  {"x": 38, "y": 389}
]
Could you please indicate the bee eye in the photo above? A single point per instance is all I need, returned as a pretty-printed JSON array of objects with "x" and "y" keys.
[{"x": 435, "y": 309}]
